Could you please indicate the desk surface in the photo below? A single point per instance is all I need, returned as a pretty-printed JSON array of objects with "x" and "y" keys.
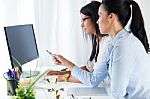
[{"x": 42, "y": 91}]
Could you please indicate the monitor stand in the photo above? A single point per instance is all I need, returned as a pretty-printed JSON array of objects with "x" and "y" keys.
[
  {"x": 28, "y": 74},
  {"x": 30, "y": 69}
]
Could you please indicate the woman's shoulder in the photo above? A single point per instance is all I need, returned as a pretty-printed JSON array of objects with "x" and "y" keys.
[{"x": 106, "y": 39}]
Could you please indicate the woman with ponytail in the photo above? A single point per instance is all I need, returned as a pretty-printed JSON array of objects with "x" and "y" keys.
[{"x": 126, "y": 60}]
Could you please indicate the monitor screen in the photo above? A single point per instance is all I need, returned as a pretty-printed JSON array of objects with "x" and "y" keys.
[{"x": 21, "y": 43}]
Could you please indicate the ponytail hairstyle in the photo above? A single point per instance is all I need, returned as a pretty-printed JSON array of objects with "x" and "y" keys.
[
  {"x": 91, "y": 10},
  {"x": 137, "y": 25},
  {"x": 123, "y": 10}
]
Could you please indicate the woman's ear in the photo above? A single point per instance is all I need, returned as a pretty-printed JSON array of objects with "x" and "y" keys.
[{"x": 112, "y": 17}]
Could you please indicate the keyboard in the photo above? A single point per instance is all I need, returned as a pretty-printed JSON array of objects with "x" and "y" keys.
[{"x": 28, "y": 74}]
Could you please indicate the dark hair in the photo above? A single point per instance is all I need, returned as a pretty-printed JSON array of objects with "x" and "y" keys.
[
  {"x": 91, "y": 10},
  {"x": 123, "y": 10}
]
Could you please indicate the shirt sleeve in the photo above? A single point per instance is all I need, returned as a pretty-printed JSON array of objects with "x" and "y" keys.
[
  {"x": 89, "y": 78},
  {"x": 122, "y": 67},
  {"x": 93, "y": 78},
  {"x": 90, "y": 65}
]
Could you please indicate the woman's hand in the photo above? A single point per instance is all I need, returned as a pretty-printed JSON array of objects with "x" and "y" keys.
[
  {"x": 51, "y": 72},
  {"x": 55, "y": 72},
  {"x": 61, "y": 75},
  {"x": 60, "y": 60}
]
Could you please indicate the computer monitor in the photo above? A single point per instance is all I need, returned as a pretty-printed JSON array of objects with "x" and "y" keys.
[{"x": 21, "y": 43}]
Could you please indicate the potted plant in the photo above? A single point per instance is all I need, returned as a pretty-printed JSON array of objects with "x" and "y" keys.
[{"x": 27, "y": 92}]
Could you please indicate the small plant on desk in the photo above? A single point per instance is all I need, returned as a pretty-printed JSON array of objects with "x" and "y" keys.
[
  {"x": 27, "y": 92},
  {"x": 22, "y": 93}
]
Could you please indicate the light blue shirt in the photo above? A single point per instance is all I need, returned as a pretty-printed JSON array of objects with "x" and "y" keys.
[{"x": 127, "y": 64}]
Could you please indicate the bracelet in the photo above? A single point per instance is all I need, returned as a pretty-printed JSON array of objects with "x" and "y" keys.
[{"x": 66, "y": 77}]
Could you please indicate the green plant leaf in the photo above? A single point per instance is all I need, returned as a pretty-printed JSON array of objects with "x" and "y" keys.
[{"x": 16, "y": 63}]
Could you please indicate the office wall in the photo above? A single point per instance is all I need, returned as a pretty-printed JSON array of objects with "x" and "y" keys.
[
  {"x": 145, "y": 7},
  {"x": 58, "y": 28}
]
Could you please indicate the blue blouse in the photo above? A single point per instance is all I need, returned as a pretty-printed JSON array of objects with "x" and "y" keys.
[{"x": 127, "y": 64}]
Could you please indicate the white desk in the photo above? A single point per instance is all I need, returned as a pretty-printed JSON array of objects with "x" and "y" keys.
[{"x": 42, "y": 91}]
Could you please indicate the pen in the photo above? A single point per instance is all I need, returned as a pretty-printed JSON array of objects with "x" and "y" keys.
[
  {"x": 72, "y": 96},
  {"x": 15, "y": 75},
  {"x": 64, "y": 69},
  {"x": 50, "y": 53},
  {"x": 10, "y": 74}
]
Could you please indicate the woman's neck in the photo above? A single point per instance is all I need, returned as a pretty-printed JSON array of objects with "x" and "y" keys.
[{"x": 115, "y": 29}]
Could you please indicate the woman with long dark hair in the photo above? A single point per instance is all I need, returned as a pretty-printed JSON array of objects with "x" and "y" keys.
[{"x": 89, "y": 17}]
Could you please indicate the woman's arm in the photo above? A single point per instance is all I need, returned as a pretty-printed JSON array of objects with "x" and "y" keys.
[
  {"x": 88, "y": 78},
  {"x": 73, "y": 79},
  {"x": 61, "y": 73}
]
